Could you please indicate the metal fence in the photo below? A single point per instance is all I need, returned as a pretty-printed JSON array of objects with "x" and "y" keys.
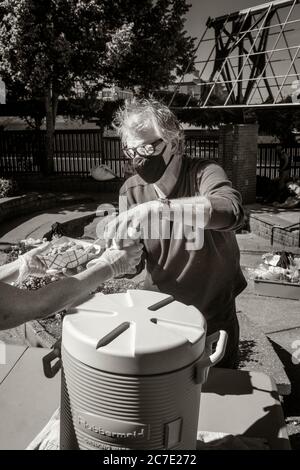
[
  {"x": 268, "y": 161},
  {"x": 202, "y": 145},
  {"x": 21, "y": 151},
  {"x": 77, "y": 151}
]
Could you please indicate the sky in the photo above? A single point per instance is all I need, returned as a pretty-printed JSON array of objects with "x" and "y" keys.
[
  {"x": 195, "y": 26},
  {"x": 202, "y": 9}
]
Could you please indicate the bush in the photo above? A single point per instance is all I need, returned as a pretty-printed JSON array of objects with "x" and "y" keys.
[{"x": 8, "y": 187}]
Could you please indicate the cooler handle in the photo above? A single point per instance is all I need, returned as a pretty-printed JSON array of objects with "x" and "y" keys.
[
  {"x": 209, "y": 358},
  {"x": 50, "y": 370}
]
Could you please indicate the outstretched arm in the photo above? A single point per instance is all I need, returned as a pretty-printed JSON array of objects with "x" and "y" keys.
[
  {"x": 217, "y": 206},
  {"x": 18, "y": 306}
]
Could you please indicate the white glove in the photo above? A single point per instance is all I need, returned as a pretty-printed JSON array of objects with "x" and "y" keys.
[
  {"x": 31, "y": 263},
  {"x": 122, "y": 261}
]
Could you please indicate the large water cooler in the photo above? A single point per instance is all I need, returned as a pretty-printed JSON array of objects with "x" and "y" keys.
[{"x": 133, "y": 368}]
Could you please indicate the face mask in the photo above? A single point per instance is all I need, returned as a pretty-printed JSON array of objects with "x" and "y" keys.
[{"x": 151, "y": 169}]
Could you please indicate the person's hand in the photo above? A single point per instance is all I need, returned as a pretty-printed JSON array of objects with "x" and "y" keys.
[
  {"x": 128, "y": 226},
  {"x": 121, "y": 261},
  {"x": 31, "y": 264}
]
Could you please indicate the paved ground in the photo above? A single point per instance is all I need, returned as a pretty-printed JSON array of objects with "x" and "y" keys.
[
  {"x": 279, "y": 319},
  {"x": 37, "y": 224},
  {"x": 292, "y": 216}
]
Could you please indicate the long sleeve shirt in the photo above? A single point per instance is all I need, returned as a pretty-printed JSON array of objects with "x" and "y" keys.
[{"x": 209, "y": 277}]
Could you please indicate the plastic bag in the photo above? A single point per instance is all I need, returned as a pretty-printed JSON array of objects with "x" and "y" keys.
[
  {"x": 266, "y": 272},
  {"x": 102, "y": 173}
]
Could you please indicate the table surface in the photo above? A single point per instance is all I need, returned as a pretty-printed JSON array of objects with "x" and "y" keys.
[{"x": 234, "y": 402}]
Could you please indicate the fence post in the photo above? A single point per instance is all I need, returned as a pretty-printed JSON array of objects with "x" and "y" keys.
[
  {"x": 39, "y": 151},
  {"x": 238, "y": 156}
]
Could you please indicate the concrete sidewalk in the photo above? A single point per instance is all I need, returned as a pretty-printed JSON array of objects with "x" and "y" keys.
[{"x": 35, "y": 225}]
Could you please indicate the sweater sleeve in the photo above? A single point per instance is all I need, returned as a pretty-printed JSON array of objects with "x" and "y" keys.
[{"x": 226, "y": 203}]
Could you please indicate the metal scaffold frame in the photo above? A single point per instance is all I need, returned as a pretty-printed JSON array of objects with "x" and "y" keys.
[{"x": 252, "y": 60}]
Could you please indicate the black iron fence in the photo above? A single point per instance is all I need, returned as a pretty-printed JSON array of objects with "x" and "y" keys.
[
  {"x": 204, "y": 145},
  {"x": 21, "y": 152},
  {"x": 268, "y": 160},
  {"x": 77, "y": 151}
]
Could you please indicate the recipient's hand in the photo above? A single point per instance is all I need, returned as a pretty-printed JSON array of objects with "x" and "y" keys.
[
  {"x": 122, "y": 260},
  {"x": 31, "y": 264}
]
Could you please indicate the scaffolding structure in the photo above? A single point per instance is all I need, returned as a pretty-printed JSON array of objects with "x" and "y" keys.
[{"x": 247, "y": 59}]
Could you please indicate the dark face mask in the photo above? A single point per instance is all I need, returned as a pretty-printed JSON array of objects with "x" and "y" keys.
[{"x": 151, "y": 169}]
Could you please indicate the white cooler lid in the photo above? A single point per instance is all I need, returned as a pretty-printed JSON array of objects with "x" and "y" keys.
[{"x": 118, "y": 333}]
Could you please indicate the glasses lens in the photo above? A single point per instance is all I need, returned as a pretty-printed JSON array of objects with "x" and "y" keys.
[
  {"x": 130, "y": 153},
  {"x": 145, "y": 150},
  {"x": 142, "y": 150}
]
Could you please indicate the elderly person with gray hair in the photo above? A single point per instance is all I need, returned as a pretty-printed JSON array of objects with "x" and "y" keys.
[{"x": 192, "y": 212}]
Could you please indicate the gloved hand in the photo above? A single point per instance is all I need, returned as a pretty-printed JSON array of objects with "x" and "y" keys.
[
  {"x": 121, "y": 260},
  {"x": 31, "y": 264},
  {"x": 129, "y": 225}
]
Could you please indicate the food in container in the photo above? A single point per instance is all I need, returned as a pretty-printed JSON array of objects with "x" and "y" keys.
[{"x": 69, "y": 254}]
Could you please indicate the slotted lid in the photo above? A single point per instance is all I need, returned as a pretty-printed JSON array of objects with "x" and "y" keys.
[{"x": 137, "y": 333}]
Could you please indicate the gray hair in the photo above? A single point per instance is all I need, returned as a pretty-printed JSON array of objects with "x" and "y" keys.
[{"x": 140, "y": 114}]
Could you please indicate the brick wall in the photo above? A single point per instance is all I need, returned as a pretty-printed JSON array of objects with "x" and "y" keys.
[
  {"x": 238, "y": 156},
  {"x": 281, "y": 237}
]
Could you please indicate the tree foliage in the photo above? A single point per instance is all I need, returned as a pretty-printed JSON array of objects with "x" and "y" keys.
[
  {"x": 60, "y": 43},
  {"x": 48, "y": 48},
  {"x": 281, "y": 122}
]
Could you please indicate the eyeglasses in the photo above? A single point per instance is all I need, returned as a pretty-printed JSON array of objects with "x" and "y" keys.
[{"x": 142, "y": 150}]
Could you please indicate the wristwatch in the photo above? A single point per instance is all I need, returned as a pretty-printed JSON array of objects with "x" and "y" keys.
[
  {"x": 164, "y": 207},
  {"x": 165, "y": 201}
]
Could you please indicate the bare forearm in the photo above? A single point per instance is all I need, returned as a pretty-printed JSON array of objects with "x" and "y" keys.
[
  {"x": 9, "y": 271},
  {"x": 19, "y": 306},
  {"x": 71, "y": 291}
]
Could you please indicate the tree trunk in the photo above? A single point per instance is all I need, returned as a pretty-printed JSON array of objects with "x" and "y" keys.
[
  {"x": 102, "y": 155},
  {"x": 51, "y": 102}
]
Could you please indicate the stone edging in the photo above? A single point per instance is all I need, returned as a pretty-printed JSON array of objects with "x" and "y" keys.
[
  {"x": 69, "y": 183},
  {"x": 264, "y": 229},
  {"x": 33, "y": 202},
  {"x": 19, "y": 205}
]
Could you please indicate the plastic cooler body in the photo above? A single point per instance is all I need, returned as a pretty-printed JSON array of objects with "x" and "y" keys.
[
  {"x": 105, "y": 411},
  {"x": 133, "y": 367}
]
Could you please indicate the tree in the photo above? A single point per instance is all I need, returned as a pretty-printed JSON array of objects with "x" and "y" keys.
[
  {"x": 50, "y": 47},
  {"x": 281, "y": 122}
]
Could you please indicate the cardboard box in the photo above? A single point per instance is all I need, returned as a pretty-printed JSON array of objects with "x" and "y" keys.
[{"x": 284, "y": 290}]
